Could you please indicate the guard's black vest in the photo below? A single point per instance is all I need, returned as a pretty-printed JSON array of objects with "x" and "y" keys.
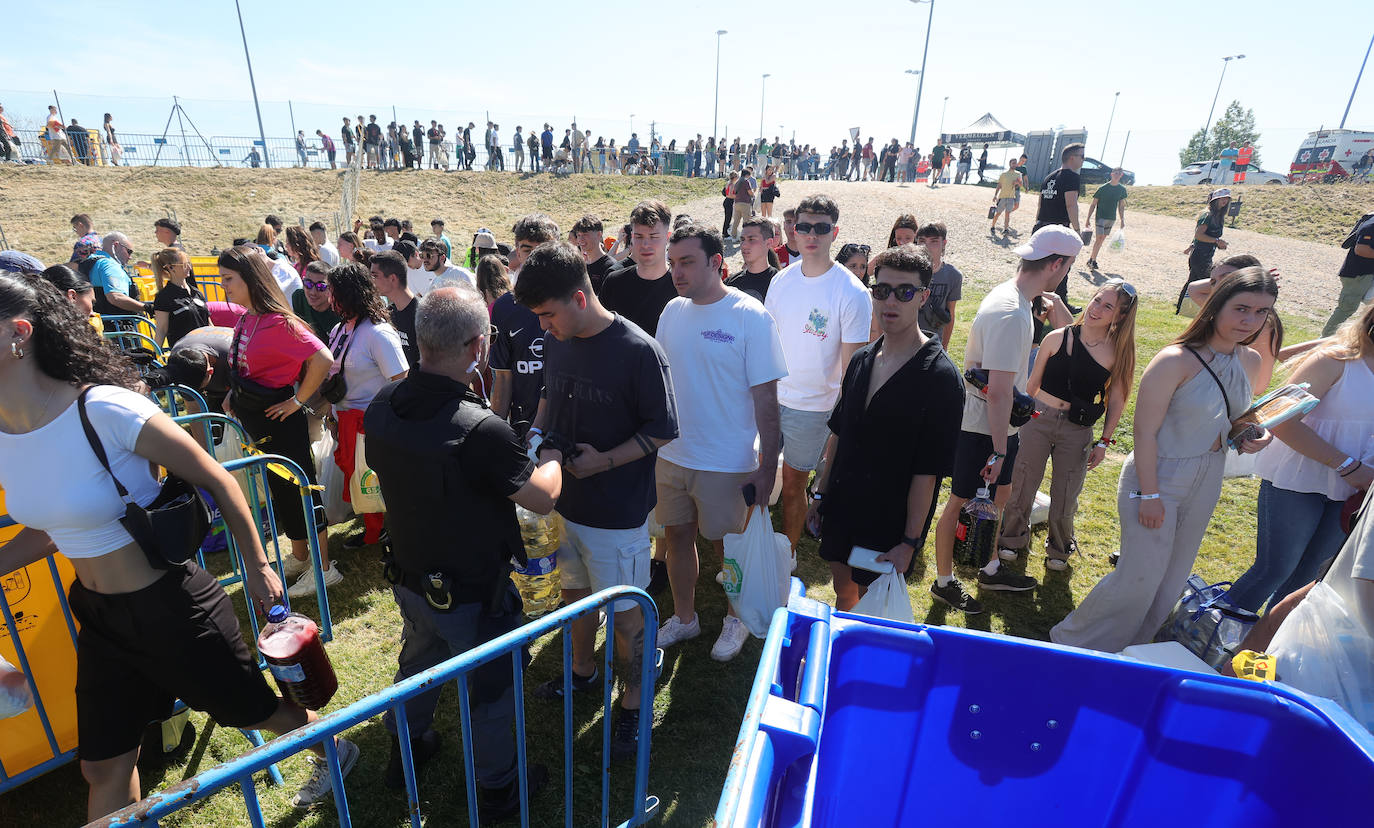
[{"x": 438, "y": 522}]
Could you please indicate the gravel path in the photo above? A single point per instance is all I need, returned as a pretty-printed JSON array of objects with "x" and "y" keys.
[{"x": 1153, "y": 259}]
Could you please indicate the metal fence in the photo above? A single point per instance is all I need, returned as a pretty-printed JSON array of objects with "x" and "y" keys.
[{"x": 510, "y": 646}]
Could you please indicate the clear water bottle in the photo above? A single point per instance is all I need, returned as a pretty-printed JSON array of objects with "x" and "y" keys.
[
  {"x": 538, "y": 581},
  {"x": 290, "y": 644},
  {"x": 976, "y": 534}
]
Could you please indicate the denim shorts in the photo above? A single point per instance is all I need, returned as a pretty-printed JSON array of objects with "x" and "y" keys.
[{"x": 803, "y": 436}]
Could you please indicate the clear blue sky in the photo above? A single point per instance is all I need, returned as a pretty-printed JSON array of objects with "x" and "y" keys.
[{"x": 1033, "y": 65}]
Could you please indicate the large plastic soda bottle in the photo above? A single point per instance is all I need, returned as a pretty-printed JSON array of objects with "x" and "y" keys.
[
  {"x": 976, "y": 534},
  {"x": 538, "y": 581},
  {"x": 290, "y": 643}
]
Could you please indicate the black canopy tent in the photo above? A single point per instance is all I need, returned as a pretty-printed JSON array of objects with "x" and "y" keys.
[{"x": 986, "y": 130}]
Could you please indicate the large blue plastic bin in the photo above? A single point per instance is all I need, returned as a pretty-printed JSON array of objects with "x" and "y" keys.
[{"x": 855, "y": 721}]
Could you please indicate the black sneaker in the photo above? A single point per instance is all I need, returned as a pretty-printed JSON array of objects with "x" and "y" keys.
[
  {"x": 553, "y": 688},
  {"x": 625, "y": 734},
  {"x": 954, "y": 594},
  {"x": 1004, "y": 581},
  {"x": 1092, "y": 264},
  {"x": 498, "y": 803},
  {"x": 359, "y": 541},
  {"x": 421, "y": 751},
  {"x": 658, "y": 576}
]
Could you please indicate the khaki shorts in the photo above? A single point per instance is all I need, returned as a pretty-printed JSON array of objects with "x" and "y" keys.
[
  {"x": 710, "y": 499},
  {"x": 597, "y": 559}
]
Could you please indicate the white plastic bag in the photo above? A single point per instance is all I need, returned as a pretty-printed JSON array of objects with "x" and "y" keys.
[
  {"x": 887, "y": 598},
  {"x": 230, "y": 448},
  {"x": 1117, "y": 240},
  {"x": 365, "y": 490},
  {"x": 15, "y": 696},
  {"x": 1323, "y": 650},
  {"x": 1239, "y": 465},
  {"x": 336, "y": 509},
  {"x": 755, "y": 577}
]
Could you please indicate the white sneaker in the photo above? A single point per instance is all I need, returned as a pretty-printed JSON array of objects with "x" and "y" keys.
[
  {"x": 732, "y": 637},
  {"x": 321, "y": 783},
  {"x": 291, "y": 566},
  {"x": 305, "y": 585},
  {"x": 1007, "y": 554},
  {"x": 1056, "y": 564},
  {"x": 673, "y": 630}
]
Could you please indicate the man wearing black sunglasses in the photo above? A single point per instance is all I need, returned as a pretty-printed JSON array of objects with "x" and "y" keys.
[
  {"x": 823, "y": 313},
  {"x": 893, "y": 433}
]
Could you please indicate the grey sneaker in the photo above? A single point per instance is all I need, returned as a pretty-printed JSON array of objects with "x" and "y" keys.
[
  {"x": 674, "y": 631},
  {"x": 956, "y": 596},
  {"x": 1004, "y": 581},
  {"x": 732, "y": 637},
  {"x": 321, "y": 783}
]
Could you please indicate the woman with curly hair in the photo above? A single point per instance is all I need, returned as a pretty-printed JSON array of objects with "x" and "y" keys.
[
  {"x": 367, "y": 356},
  {"x": 270, "y": 349},
  {"x": 54, "y": 373}
]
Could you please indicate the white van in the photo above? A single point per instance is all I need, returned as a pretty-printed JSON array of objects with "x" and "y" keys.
[{"x": 1333, "y": 154}]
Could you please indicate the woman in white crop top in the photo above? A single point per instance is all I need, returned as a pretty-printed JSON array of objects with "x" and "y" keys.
[
  {"x": 1320, "y": 460},
  {"x": 57, "y": 489}
]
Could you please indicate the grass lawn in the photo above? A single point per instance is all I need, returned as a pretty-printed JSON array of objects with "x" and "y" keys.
[{"x": 1318, "y": 212}]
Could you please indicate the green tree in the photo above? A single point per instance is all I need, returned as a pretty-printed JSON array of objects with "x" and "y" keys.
[{"x": 1235, "y": 126}]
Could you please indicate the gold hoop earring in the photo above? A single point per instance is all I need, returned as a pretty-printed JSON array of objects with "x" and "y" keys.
[{"x": 16, "y": 350}]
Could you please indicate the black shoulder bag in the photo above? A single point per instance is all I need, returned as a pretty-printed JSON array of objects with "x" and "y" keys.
[
  {"x": 170, "y": 529},
  {"x": 335, "y": 388}
]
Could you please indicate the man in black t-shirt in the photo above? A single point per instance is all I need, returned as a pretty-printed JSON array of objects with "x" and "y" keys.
[
  {"x": 372, "y": 141},
  {"x": 389, "y": 270},
  {"x": 1059, "y": 203},
  {"x": 587, "y": 234},
  {"x": 756, "y": 237},
  {"x": 641, "y": 291},
  {"x": 1357, "y": 273},
  {"x": 608, "y": 398}
]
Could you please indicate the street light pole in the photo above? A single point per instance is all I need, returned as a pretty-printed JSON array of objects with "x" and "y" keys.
[
  {"x": 916, "y": 72},
  {"x": 763, "y": 91},
  {"x": 942, "y": 117},
  {"x": 1208, "y": 125},
  {"x": 262, "y": 133},
  {"x": 1357, "y": 82},
  {"x": 715, "y": 115},
  {"x": 1110, "y": 118},
  {"x": 924, "y": 52}
]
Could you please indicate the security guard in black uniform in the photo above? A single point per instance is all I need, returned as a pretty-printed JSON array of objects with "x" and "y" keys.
[{"x": 451, "y": 473}]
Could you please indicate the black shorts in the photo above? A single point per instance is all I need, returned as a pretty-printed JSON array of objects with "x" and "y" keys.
[
  {"x": 835, "y": 546},
  {"x": 970, "y": 455},
  {"x": 138, "y": 652}
]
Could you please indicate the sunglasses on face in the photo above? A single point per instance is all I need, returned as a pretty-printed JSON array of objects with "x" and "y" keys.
[
  {"x": 309, "y": 285},
  {"x": 489, "y": 333},
  {"x": 905, "y": 292},
  {"x": 819, "y": 228}
]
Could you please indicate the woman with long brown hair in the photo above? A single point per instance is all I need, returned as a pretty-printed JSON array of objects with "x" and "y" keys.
[
  {"x": 1082, "y": 373},
  {"x": 352, "y": 248},
  {"x": 1189, "y": 394},
  {"x": 55, "y": 372},
  {"x": 270, "y": 349},
  {"x": 301, "y": 248},
  {"x": 904, "y": 231}
]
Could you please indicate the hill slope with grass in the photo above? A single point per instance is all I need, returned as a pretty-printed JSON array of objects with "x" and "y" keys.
[{"x": 1317, "y": 213}]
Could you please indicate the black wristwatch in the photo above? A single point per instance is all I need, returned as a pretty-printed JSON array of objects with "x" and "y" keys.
[{"x": 914, "y": 543}]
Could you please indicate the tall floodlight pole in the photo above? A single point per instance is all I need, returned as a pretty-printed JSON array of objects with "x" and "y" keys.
[
  {"x": 916, "y": 72},
  {"x": 1208, "y": 125},
  {"x": 1357, "y": 82},
  {"x": 942, "y": 117},
  {"x": 763, "y": 91},
  {"x": 924, "y": 52},
  {"x": 1110, "y": 118},
  {"x": 262, "y": 133},
  {"x": 715, "y": 113}
]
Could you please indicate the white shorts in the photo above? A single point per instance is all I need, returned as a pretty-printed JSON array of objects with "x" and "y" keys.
[{"x": 595, "y": 559}]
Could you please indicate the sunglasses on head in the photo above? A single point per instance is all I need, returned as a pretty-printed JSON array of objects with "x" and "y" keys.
[
  {"x": 309, "y": 285},
  {"x": 1122, "y": 286},
  {"x": 905, "y": 292},
  {"x": 820, "y": 228}
]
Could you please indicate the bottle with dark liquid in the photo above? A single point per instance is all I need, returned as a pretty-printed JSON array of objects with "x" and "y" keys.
[
  {"x": 975, "y": 536},
  {"x": 291, "y": 645}
]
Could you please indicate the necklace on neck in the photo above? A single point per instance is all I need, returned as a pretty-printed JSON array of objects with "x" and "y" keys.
[{"x": 41, "y": 414}]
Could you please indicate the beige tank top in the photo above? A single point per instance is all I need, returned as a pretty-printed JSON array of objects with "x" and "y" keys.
[{"x": 1197, "y": 415}]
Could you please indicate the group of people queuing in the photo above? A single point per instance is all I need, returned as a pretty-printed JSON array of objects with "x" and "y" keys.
[
  {"x": 70, "y": 143},
  {"x": 624, "y": 379}
]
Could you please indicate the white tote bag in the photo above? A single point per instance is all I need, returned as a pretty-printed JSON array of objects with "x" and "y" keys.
[
  {"x": 331, "y": 477},
  {"x": 756, "y": 579},
  {"x": 887, "y": 598}
]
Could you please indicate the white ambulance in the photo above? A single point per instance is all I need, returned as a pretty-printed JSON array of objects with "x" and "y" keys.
[{"x": 1333, "y": 155}]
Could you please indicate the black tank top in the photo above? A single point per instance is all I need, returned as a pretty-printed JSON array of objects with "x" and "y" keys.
[{"x": 1077, "y": 371}]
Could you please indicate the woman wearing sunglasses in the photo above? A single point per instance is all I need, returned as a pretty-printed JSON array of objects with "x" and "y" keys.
[
  {"x": 1082, "y": 372},
  {"x": 893, "y": 433},
  {"x": 1170, "y": 483}
]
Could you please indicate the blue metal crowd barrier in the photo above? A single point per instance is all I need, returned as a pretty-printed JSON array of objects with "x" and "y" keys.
[
  {"x": 511, "y": 645},
  {"x": 257, "y": 466},
  {"x": 132, "y": 340}
]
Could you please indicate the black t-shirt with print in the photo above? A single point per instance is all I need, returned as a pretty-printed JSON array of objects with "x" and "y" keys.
[
  {"x": 754, "y": 284},
  {"x": 599, "y": 270},
  {"x": 518, "y": 348},
  {"x": 185, "y": 311},
  {"x": 1355, "y": 264},
  {"x": 1053, "y": 208},
  {"x": 403, "y": 320},
  {"x": 639, "y": 300},
  {"x": 372, "y": 134}
]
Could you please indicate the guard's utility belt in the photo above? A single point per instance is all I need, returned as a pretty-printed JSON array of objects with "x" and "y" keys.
[{"x": 439, "y": 590}]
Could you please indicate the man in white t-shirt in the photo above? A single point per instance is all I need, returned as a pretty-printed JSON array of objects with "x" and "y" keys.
[
  {"x": 725, "y": 359},
  {"x": 999, "y": 342},
  {"x": 328, "y": 252},
  {"x": 823, "y": 314},
  {"x": 439, "y": 273}
]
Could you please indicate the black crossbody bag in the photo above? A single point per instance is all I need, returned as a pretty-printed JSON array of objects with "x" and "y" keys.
[
  {"x": 1081, "y": 412},
  {"x": 170, "y": 529}
]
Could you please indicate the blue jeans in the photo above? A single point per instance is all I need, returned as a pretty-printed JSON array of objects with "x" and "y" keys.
[
  {"x": 429, "y": 637},
  {"x": 1298, "y": 533}
]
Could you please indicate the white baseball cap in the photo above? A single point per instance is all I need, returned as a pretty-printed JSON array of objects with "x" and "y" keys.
[
  {"x": 1050, "y": 240},
  {"x": 1216, "y": 194}
]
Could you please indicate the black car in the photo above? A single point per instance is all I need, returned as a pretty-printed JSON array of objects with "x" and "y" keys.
[{"x": 1096, "y": 172}]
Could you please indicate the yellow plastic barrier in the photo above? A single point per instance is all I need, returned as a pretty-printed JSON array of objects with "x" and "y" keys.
[{"x": 36, "y": 604}]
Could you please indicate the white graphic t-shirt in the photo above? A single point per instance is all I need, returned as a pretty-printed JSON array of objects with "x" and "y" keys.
[{"x": 815, "y": 315}]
